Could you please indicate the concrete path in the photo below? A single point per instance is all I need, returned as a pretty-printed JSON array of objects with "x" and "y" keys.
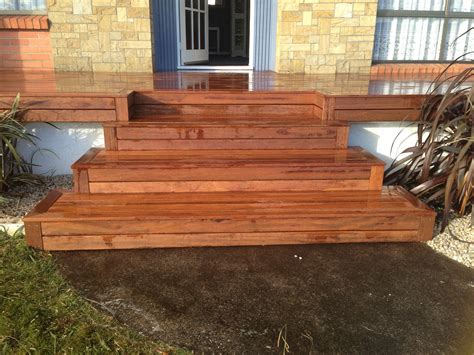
[{"x": 368, "y": 298}]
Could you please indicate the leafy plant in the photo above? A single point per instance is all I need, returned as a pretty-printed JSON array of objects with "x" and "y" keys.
[
  {"x": 439, "y": 167},
  {"x": 14, "y": 168}
]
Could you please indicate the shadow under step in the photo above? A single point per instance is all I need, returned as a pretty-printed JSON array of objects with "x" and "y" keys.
[
  {"x": 101, "y": 171},
  {"x": 69, "y": 221},
  {"x": 198, "y": 132}
]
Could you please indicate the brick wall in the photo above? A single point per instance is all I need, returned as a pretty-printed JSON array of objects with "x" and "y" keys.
[
  {"x": 101, "y": 35},
  {"x": 24, "y": 49},
  {"x": 325, "y": 36}
]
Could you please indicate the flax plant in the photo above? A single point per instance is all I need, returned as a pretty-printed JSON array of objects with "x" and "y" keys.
[
  {"x": 439, "y": 168},
  {"x": 14, "y": 168}
]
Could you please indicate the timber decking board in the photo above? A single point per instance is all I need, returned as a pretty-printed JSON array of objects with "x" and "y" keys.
[
  {"x": 327, "y": 93},
  {"x": 95, "y": 221},
  {"x": 142, "y": 241},
  {"x": 200, "y": 144},
  {"x": 225, "y": 110},
  {"x": 102, "y": 171},
  {"x": 116, "y": 207},
  {"x": 46, "y": 102},
  {"x": 231, "y": 173},
  {"x": 204, "y": 132},
  {"x": 281, "y": 184},
  {"x": 99, "y": 158},
  {"x": 70, "y": 107},
  {"x": 180, "y": 97}
]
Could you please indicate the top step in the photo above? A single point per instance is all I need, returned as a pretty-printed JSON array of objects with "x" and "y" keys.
[{"x": 225, "y": 104}]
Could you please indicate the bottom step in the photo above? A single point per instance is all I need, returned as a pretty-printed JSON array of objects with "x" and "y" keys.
[{"x": 68, "y": 221}]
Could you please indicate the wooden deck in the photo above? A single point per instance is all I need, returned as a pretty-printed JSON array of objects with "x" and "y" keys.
[
  {"x": 101, "y": 97},
  {"x": 224, "y": 159}
]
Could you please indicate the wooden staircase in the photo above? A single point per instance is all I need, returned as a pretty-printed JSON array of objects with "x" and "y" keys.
[{"x": 223, "y": 170}]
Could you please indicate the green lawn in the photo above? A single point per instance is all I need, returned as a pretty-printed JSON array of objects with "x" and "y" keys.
[{"x": 39, "y": 312}]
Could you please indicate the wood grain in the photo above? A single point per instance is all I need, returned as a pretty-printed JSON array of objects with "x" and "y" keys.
[
  {"x": 216, "y": 97},
  {"x": 224, "y": 186},
  {"x": 182, "y": 144},
  {"x": 74, "y": 115},
  {"x": 142, "y": 241},
  {"x": 227, "y": 170},
  {"x": 225, "y": 110},
  {"x": 34, "y": 234}
]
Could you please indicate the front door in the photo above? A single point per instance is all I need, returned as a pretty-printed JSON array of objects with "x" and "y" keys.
[{"x": 194, "y": 28}]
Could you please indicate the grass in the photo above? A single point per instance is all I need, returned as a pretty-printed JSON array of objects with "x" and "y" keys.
[{"x": 40, "y": 313}]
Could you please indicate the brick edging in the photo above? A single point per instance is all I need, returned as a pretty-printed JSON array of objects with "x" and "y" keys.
[{"x": 22, "y": 22}]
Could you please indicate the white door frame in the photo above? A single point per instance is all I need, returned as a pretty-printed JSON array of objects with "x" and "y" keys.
[
  {"x": 221, "y": 68},
  {"x": 195, "y": 55}
]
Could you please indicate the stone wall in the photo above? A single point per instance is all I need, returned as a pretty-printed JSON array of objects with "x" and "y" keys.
[
  {"x": 101, "y": 35},
  {"x": 325, "y": 36}
]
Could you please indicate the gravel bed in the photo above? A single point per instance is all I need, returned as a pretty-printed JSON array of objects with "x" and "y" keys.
[
  {"x": 22, "y": 198},
  {"x": 457, "y": 241}
]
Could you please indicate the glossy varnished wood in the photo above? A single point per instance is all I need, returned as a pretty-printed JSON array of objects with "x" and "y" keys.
[
  {"x": 197, "y": 132},
  {"x": 227, "y": 170},
  {"x": 351, "y": 98},
  {"x": 98, "y": 221},
  {"x": 33, "y": 232},
  {"x": 69, "y": 107},
  {"x": 202, "y": 159}
]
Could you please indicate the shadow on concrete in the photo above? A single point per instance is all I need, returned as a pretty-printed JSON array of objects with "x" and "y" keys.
[{"x": 366, "y": 298}]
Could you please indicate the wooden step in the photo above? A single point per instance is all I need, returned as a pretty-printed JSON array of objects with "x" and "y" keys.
[
  {"x": 228, "y": 103},
  {"x": 204, "y": 132},
  {"x": 101, "y": 171},
  {"x": 72, "y": 221}
]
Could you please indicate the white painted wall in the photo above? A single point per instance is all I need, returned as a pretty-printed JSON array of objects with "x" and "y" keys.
[
  {"x": 67, "y": 143},
  {"x": 385, "y": 140},
  {"x": 70, "y": 140}
]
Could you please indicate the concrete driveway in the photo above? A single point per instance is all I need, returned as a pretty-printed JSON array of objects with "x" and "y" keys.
[{"x": 365, "y": 298}]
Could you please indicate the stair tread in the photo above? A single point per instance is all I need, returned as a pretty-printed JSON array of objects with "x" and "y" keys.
[
  {"x": 216, "y": 205},
  {"x": 99, "y": 158}
]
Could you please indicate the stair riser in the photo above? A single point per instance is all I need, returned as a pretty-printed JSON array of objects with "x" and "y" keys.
[
  {"x": 224, "y": 179},
  {"x": 229, "y": 225},
  {"x": 231, "y": 232},
  {"x": 144, "y": 241},
  {"x": 228, "y": 104},
  {"x": 228, "y": 98},
  {"x": 137, "y": 145},
  {"x": 225, "y": 132},
  {"x": 147, "y": 138},
  {"x": 228, "y": 111}
]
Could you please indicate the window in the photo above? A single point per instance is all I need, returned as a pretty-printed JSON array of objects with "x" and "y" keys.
[
  {"x": 23, "y": 6},
  {"x": 423, "y": 30}
]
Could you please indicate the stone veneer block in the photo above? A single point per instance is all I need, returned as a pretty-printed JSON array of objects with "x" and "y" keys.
[
  {"x": 325, "y": 36},
  {"x": 101, "y": 35}
]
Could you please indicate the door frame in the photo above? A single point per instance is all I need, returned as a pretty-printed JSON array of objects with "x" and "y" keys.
[
  {"x": 195, "y": 55},
  {"x": 221, "y": 68}
]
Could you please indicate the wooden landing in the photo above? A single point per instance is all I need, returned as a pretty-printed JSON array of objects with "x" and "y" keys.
[
  {"x": 99, "y": 221},
  {"x": 105, "y": 97},
  {"x": 101, "y": 171}
]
